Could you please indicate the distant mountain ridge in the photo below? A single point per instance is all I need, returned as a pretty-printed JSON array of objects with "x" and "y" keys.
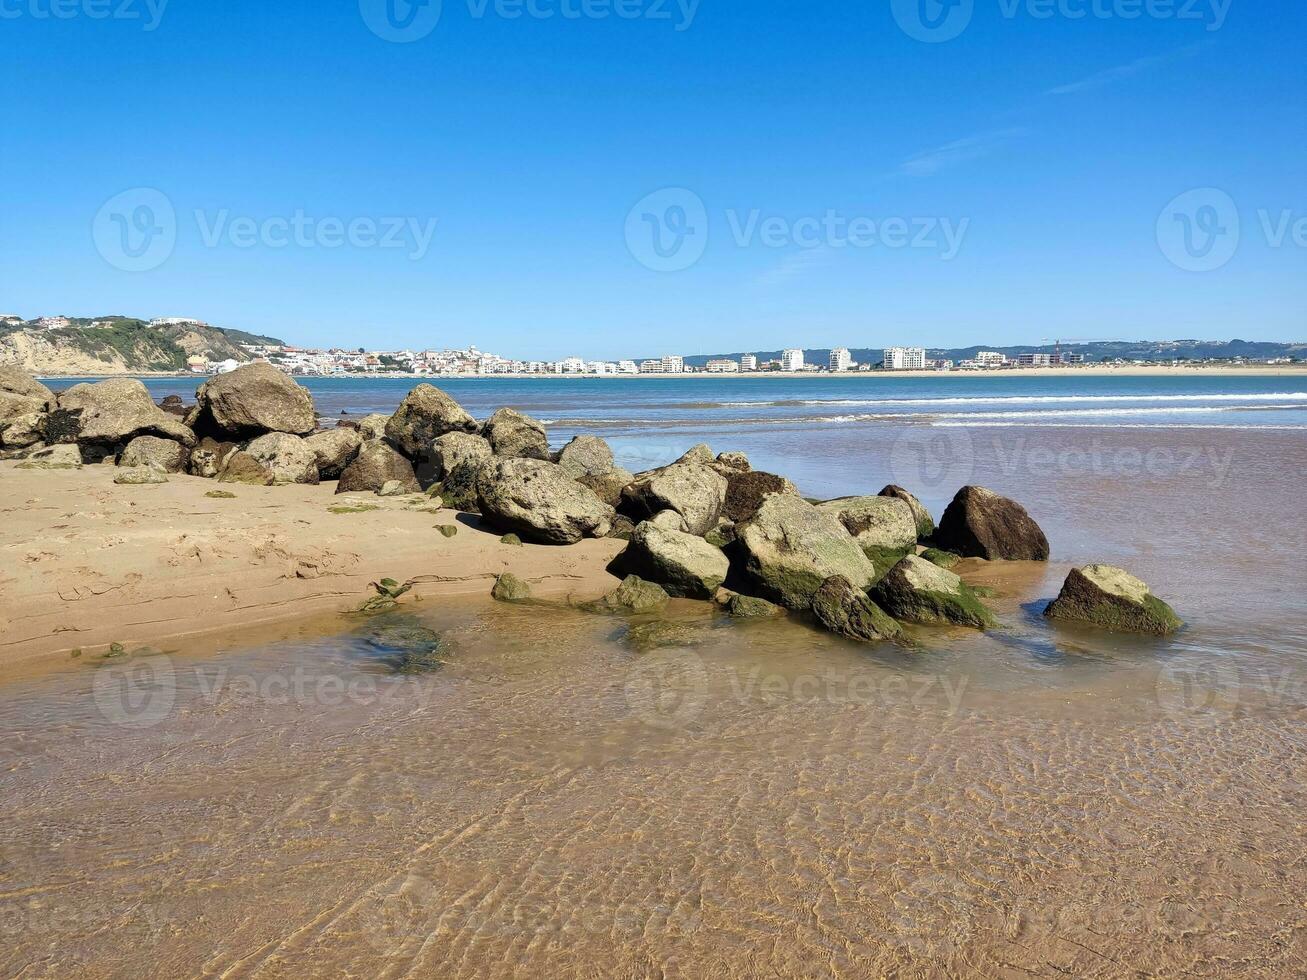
[
  {"x": 1129, "y": 350},
  {"x": 117, "y": 344}
]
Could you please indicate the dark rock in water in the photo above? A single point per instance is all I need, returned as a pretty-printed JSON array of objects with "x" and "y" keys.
[
  {"x": 925, "y": 523},
  {"x": 981, "y": 524},
  {"x": 944, "y": 559},
  {"x": 684, "y": 565},
  {"x": 510, "y": 588},
  {"x": 173, "y": 405},
  {"x": 693, "y": 490},
  {"x": 376, "y": 465},
  {"x": 1111, "y": 598},
  {"x": 916, "y": 591},
  {"x": 660, "y": 633},
  {"x": 842, "y": 609},
  {"x": 540, "y": 502},
  {"x": 425, "y": 414},
  {"x": 251, "y": 400},
  {"x": 634, "y": 595},
  {"x": 406, "y": 646},
  {"x": 746, "y": 488}
]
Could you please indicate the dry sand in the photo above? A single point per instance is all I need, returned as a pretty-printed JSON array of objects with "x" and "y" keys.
[{"x": 85, "y": 562}]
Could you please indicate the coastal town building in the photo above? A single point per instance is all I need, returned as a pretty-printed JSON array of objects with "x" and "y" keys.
[
  {"x": 792, "y": 360},
  {"x": 748, "y": 362},
  {"x": 673, "y": 364},
  {"x": 1034, "y": 360},
  {"x": 651, "y": 367},
  {"x": 722, "y": 365},
  {"x": 841, "y": 359},
  {"x": 905, "y": 358}
]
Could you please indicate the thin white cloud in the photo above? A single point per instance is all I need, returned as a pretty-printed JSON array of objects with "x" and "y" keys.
[
  {"x": 794, "y": 266},
  {"x": 1111, "y": 75},
  {"x": 961, "y": 151}
]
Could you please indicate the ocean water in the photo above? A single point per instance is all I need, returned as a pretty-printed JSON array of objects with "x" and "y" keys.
[{"x": 752, "y": 799}]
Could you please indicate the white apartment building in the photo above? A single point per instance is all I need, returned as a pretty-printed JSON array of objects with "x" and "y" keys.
[
  {"x": 990, "y": 358},
  {"x": 792, "y": 360},
  {"x": 748, "y": 362},
  {"x": 1035, "y": 360},
  {"x": 841, "y": 359},
  {"x": 722, "y": 365},
  {"x": 673, "y": 364},
  {"x": 905, "y": 358},
  {"x": 627, "y": 367},
  {"x": 571, "y": 365},
  {"x": 651, "y": 367}
]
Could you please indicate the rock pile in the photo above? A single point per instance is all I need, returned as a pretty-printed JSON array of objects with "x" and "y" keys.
[{"x": 703, "y": 527}]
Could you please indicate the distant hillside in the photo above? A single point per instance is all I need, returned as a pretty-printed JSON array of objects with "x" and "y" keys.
[
  {"x": 1103, "y": 350},
  {"x": 116, "y": 344}
]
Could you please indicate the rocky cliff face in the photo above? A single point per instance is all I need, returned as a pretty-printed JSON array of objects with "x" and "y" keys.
[{"x": 111, "y": 345}]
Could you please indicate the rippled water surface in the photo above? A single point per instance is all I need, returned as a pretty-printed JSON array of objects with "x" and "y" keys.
[{"x": 546, "y": 797}]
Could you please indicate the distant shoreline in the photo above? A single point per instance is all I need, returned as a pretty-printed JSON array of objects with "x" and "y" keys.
[{"x": 1094, "y": 370}]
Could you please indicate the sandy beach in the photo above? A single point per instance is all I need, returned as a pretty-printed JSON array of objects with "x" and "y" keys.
[{"x": 88, "y": 562}]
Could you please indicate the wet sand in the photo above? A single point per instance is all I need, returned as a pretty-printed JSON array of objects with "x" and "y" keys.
[
  {"x": 85, "y": 562},
  {"x": 754, "y": 799}
]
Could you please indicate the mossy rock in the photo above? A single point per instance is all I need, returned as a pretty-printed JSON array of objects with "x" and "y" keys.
[
  {"x": 742, "y": 606},
  {"x": 405, "y": 645},
  {"x": 448, "y": 530},
  {"x": 634, "y": 595},
  {"x": 510, "y": 588},
  {"x": 915, "y": 591},
  {"x": 884, "y": 559},
  {"x": 512, "y": 540},
  {"x": 1111, "y": 598},
  {"x": 661, "y": 633},
  {"x": 944, "y": 559},
  {"x": 851, "y": 613},
  {"x": 221, "y": 495}
]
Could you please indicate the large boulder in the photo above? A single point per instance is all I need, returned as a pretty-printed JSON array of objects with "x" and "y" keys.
[
  {"x": 745, "y": 490},
  {"x": 981, "y": 524},
  {"x": 164, "y": 455},
  {"x": 515, "y": 435},
  {"x": 21, "y": 394},
  {"x": 789, "y": 548},
  {"x": 1111, "y": 598},
  {"x": 240, "y": 467},
  {"x": 425, "y": 414},
  {"x": 925, "y": 523},
  {"x": 376, "y": 465},
  {"x": 110, "y": 414},
  {"x": 883, "y": 527},
  {"x": 539, "y": 501},
  {"x": 842, "y": 609},
  {"x": 456, "y": 459},
  {"x": 288, "y": 458},
  {"x": 251, "y": 400},
  {"x": 683, "y": 564},
  {"x": 333, "y": 450},
  {"x": 23, "y": 431},
  {"x": 61, "y": 457},
  {"x": 917, "y": 591},
  {"x": 693, "y": 490},
  {"x": 700, "y": 453},
  {"x": 585, "y": 456},
  {"x": 634, "y": 595},
  {"x": 732, "y": 461}
]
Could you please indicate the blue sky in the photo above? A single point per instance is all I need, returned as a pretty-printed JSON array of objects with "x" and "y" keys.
[{"x": 1024, "y": 179}]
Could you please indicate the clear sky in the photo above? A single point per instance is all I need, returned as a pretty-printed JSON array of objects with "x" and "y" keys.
[{"x": 858, "y": 174}]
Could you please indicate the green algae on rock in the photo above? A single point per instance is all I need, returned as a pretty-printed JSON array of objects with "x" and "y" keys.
[
  {"x": 916, "y": 591},
  {"x": 1112, "y": 599}
]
